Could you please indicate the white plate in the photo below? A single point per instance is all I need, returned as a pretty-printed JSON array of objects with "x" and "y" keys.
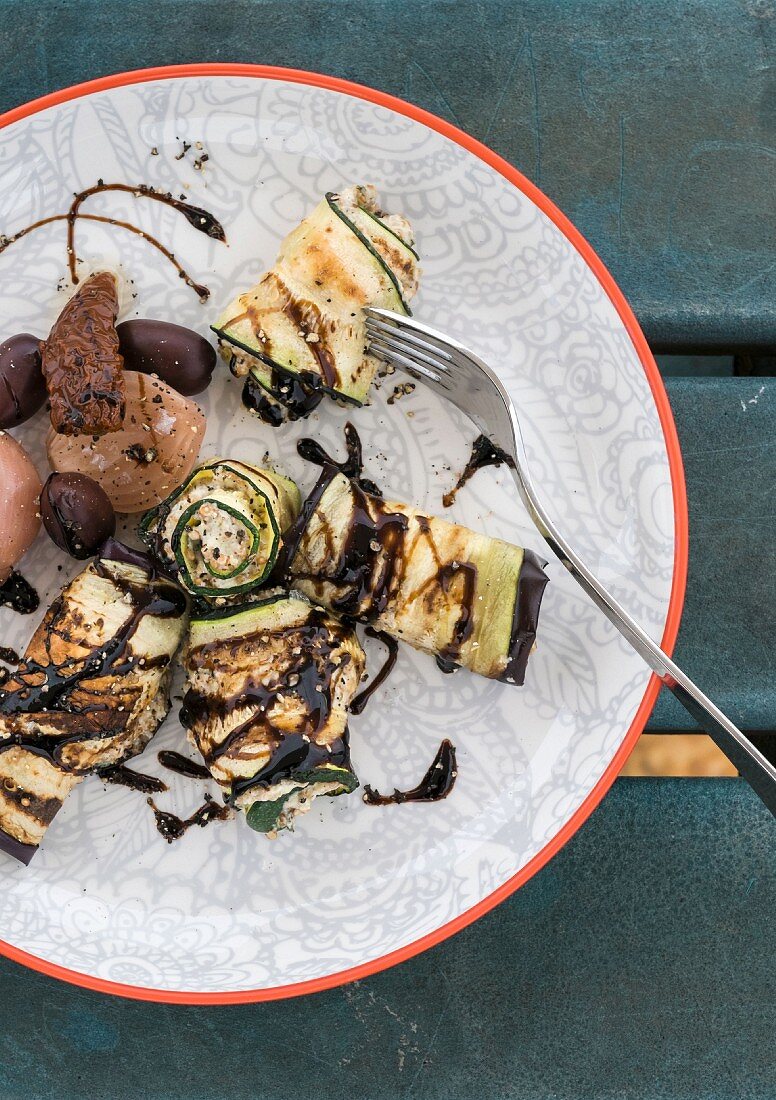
[{"x": 225, "y": 914}]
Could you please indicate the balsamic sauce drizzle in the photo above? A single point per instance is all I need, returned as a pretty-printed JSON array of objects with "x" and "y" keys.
[
  {"x": 201, "y": 220},
  {"x": 436, "y": 784},
  {"x": 358, "y": 705},
  {"x": 352, "y": 467},
  {"x": 181, "y": 765},
  {"x": 289, "y": 392},
  {"x": 173, "y": 827},
  {"x": 484, "y": 453},
  {"x": 123, "y": 776},
  {"x": 18, "y": 594},
  {"x": 308, "y": 676},
  {"x": 83, "y": 713}
]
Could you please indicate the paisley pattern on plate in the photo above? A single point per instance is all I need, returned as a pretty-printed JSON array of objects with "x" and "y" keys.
[{"x": 223, "y": 910}]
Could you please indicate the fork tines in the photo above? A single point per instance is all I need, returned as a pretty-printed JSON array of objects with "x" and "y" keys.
[{"x": 393, "y": 341}]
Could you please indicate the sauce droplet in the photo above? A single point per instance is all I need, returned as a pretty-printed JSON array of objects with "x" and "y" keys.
[
  {"x": 352, "y": 466},
  {"x": 484, "y": 453},
  {"x": 181, "y": 765},
  {"x": 436, "y": 784},
  {"x": 123, "y": 776}
]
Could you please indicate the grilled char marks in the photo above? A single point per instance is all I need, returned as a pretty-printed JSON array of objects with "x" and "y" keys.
[
  {"x": 268, "y": 698},
  {"x": 307, "y": 320},
  {"x": 386, "y": 559}
]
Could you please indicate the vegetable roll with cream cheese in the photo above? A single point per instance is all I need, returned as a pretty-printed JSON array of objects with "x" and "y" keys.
[
  {"x": 300, "y": 331},
  {"x": 268, "y": 685},
  {"x": 91, "y": 690},
  {"x": 221, "y": 530},
  {"x": 469, "y": 599}
]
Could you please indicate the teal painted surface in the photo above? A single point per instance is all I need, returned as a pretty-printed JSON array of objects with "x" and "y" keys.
[
  {"x": 638, "y": 964},
  {"x": 650, "y": 124},
  {"x": 727, "y": 432}
]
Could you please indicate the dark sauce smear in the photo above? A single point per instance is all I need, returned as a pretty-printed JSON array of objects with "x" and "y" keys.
[
  {"x": 200, "y": 219},
  {"x": 436, "y": 784},
  {"x": 525, "y": 616},
  {"x": 123, "y": 776},
  {"x": 447, "y": 576},
  {"x": 18, "y": 594},
  {"x": 359, "y": 703},
  {"x": 10, "y": 656},
  {"x": 309, "y": 677},
  {"x": 306, "y": 318},
  {"x": 446, "y": 666},
  {"x": 484, "y": 453},
  {"x": 293, "y": 399},
  {"x": 181, "y": 765},
  {"x": 353, "y": 466},
  {"x": 173, "y": 827},
  {"x": 372, "y": 556}
]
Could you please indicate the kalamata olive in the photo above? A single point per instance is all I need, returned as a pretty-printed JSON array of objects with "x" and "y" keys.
[
  {"x": 22, "y": 386},
  {"x": 77, "y": 514},
  {"x": 19, "y": 492},
  {"x": 182, "y": 358}
]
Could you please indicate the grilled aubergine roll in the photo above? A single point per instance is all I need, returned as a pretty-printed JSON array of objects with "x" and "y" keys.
[
  {"x": 268, "y": 685},
  {"x": 469, "y": 599},
  {"x": 221, "y": 530},
  {"x": 300, "y": 331},
  {"x": 91, "y": 690}
]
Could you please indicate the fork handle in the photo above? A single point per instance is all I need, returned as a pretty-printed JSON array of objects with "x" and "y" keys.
[{"x": 758, "y": 771}]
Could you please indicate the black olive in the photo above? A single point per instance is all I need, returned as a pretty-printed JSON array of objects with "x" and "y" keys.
[
  {"x": 22, "y": 386},
  {"x": 182, "y": 358},
  {"x": 77, "y": 514}
]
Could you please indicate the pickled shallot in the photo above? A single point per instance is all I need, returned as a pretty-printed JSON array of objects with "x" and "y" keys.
[{"x": 139, "y": 465}]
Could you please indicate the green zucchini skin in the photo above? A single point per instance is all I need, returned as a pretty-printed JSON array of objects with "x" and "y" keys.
[
  {"x": 312, "y": 381},
  {"x": 303, "y": 320},
  {"x": 223, "y": 508},
  {"x": 268, "y": 685},
  {"x": 468, "y": 599},
  {"x": 388, "y": 230},
  {"x": 332, "y": 200}
]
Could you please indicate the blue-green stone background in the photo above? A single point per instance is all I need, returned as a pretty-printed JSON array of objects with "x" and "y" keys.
[{"x": 642, "y": 961}]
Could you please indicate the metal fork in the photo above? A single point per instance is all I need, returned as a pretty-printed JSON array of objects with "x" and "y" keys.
[{"x": 457, "y": 374}]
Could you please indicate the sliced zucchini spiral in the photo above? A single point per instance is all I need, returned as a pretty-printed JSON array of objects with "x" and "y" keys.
[{"x": 221, "y": 530}]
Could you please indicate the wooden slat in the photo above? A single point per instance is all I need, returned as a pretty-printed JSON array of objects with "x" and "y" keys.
[{"x": 684, "y": 754}]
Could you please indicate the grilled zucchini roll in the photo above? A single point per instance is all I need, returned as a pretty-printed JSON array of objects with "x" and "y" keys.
[
  {"x": 469, "y": 599},
  {"x": 268, "y": 687},
  {"x": 221, "y": 530},
  {"x": 91, "y": 691},
  {"x": 300, "y": 331}
]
